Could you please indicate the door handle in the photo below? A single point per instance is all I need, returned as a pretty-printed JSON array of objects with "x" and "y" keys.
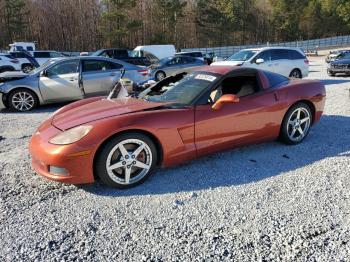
[
  {"x": 73, "y": 79},
  {"x": 113, "y": 74}
]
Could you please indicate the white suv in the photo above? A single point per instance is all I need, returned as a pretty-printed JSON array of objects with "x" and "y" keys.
[
  {"x": 9, "y": 63},
  {"x": 290, "y": 62}
]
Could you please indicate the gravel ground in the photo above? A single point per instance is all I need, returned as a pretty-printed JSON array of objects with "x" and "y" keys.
[{"x": 262, "y": 202}]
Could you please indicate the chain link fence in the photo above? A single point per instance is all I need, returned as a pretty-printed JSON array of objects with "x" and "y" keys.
[{"x": 322, "y": 43}]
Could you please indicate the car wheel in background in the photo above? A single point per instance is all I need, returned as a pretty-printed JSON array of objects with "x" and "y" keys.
[
  {"x": 27, "y": 68},
  {"x": 160, "y": 75},
  {"x": 296, "y": 74},
  {"x": 126, "y": 160},
  {"x": 22, "y": 100},
  {"x": 296, "y": 124},
  {"x": 330, "y": 73}
]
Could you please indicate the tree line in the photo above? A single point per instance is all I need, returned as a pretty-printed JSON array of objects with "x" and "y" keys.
[{"x": 85, "y": 25}]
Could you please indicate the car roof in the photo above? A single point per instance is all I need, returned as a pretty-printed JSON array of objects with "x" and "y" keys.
[
  {"x": 221, "y": 70},
  {"x": 272, "y": 47}
]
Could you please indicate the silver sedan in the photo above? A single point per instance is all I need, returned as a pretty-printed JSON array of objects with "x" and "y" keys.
[
  {"x": 65, "y": 79},
  {"x": 174, "y": 65}
]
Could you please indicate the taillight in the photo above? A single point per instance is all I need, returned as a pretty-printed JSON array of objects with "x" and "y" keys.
[
  {"x": 306, "y": 61},
  {"x": 15, "y": 61},
  {"x": 143, "y": 72}
]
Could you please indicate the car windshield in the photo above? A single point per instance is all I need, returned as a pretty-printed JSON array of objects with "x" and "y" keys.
[
  {"x": 243, "y": 55},
  {"x": 181, "y": 92},
  {"x": 43, "y": 66}
]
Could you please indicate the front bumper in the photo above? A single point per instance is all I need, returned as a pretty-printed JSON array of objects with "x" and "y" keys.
[
  {"x": 338, "y": 70},
  {"x": 76, "y": 160}
]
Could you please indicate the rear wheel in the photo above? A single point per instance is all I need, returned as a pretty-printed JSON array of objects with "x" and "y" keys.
[
  {"x": 126, "y": 160},
  {"x": 296, "y": 74},
  {"x": 160, "y": 75},
  {"x": 296, "y": 124},
  {"x": 22, "y": 100}
]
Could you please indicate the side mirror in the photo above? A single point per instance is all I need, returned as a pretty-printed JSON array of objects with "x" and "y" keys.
[
  {"x": 259, "y": 61},
  {"x": 224, "y": 100},
  {"x": 43, "y": 73}
]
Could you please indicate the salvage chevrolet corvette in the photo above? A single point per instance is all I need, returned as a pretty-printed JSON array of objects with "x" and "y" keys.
[{"x": 120, "y": 141}]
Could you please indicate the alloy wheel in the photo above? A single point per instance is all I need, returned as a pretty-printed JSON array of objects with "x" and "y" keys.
[
  {"x": 23, "y": 101},
  {"x": 129, "y": 161},
  {"x": 298, "y": 124}
]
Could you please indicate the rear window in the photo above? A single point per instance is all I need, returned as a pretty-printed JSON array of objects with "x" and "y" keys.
[{"x": 275, "y": 79}]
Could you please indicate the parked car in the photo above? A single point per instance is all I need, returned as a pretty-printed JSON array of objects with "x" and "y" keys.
[
  {"x": 121, "y": 141},
  {"x": 65, "y": 79},
  {"x": 9, "y": 63},
  {"x": 159, "y": 51},
  {"x": 22, "y": 46},
  {"x": 195, "y": 54},
  {"x": 43, "y": 56},
  {"x": 339, "y": 66},
  {"x": 289, "y": 62},
  {"x": 335, "y": 55},
  {"x": 26, "y": 60},
  {"x": 122, "y": 54},
  {"x": 173, "y": 65}
]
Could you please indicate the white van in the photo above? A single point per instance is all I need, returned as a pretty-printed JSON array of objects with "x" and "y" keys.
[
  {"x": 22, "y": 46},
  {"x": 160, "y": 51},
  {"x": 287, "y": 61}
]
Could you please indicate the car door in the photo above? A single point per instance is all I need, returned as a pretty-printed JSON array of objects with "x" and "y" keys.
[
  {"x": 60, "y": 82},
  {"x": 282, "y": 64},
  {"x": 99, "y": 76},
  {"x": 173, "y": 66},
  {"x": 265, "y": 65},
  {"x": 252, "y": 119},
  {"x": 189, "y": 64}
]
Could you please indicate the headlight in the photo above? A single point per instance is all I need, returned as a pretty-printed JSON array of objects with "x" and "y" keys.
[{"x": 71, "y": 136}]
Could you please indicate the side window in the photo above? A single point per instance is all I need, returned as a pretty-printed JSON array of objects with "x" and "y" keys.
[
  {"x": 30, "y": 48},
  {"x": 238, "y": 85},
  {"x": 121, "y": 53},
  {"x": 295, "y": 55},
  {"x": 99, "y": 66},
  {"x": 55, "y": 54},
  {"x": 266, "y": 55},
  {"x": 279, "y": 54},
  {"x": 174, "y": 61},
  {"x": 275, "y": 79},
  {"x": 41, "y": 54},
  {"x": 67, "y": 67}
]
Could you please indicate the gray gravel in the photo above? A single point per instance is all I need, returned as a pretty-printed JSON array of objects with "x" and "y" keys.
[{"x": 262, "y": 202}]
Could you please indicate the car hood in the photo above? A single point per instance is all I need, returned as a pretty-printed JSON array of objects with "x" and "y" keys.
[
  {"x": 12, "y": 75},
  {"x": 100, "y": 109},
  {"x": 227, "y": 63},
  {"x": 341, "y": 61}
]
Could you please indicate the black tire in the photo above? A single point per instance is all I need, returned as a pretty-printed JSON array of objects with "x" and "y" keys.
[
  {"x": 26, "y": 68},
  {"x": 284, "y": 132},
  {"x": 101, "y": 161},
  {"x": 33, "y": 100},
  {"x": 296, "y": 73},
  {"x": 6, "y": 69},
  {"x": 160, "y": 75},
  {"x": 330, "y": 73}
]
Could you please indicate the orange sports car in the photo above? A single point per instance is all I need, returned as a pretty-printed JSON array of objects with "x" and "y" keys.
[{"x": 120, "y": 141}]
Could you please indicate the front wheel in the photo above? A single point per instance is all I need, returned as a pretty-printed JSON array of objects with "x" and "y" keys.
[
  {"x": 296, "y": 124},
  {"x": 22, "y": 100},
  {"x": 126, "y": 160}
]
